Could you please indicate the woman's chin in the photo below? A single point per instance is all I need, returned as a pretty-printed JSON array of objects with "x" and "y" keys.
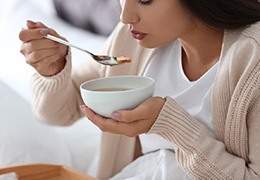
[{"x": 148, "y": 45}]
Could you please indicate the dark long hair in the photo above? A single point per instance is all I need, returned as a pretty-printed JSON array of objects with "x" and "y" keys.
[{"x": 226, "y": 14}]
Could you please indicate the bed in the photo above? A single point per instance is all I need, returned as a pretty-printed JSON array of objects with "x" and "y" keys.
[{"x": 24, "y": 140}]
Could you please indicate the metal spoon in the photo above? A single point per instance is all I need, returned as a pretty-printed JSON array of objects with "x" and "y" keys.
[{"x": 105, "y": 60}]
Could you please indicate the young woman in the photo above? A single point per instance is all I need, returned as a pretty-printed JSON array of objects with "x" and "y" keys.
[{"x": 202, "y": 123}]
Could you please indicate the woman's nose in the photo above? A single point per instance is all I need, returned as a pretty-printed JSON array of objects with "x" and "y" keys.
[{"x": 129, "y": 14}]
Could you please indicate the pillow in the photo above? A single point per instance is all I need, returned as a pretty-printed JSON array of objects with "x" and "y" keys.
[{"x": 23, "y": 140}]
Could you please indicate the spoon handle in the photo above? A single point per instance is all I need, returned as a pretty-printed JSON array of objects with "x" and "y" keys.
[{"x": 53, "y": 38}]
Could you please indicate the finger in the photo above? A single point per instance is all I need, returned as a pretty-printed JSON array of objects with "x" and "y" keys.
[
  {"x": 47, "y": 68},
  {"x": 117, "y": 127},
  {"x": 36, "y": 45},
  {"x": 43, "y": 44},
  {"x": 104, "y": 124},
  {"x": 150, "y": 108},
  {"x": 38, "y": 31},
  {"x": 113, "y": 126},
  {"x": 46, "y": 64},
  {"x": 27, "y": 35},
  {"x": 139, "y": 113},
  {"x": 33, "y": 25},
  {"x": 52, "y": 63},
  {"x": 92, "y": 116},
  {"x": 41, "y": 54},
  {"x": 131, "y": 129},
  {"x": 50, "y": 69},
  {"x": 133, "y": 122}
]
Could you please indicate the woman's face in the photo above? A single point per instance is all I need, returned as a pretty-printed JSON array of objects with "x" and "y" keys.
[{"x": 155, "y": 23}]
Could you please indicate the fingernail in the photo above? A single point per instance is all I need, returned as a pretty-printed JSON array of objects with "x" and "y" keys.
[
  {"x": 32, "y": 22},
  {"x": 82, "y": 107},
  {"x": 44, "y": 32},
  {"x": 115, "y": 116}
]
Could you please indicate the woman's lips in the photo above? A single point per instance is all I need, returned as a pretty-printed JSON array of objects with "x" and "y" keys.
[{"x": 138, "y": 35}]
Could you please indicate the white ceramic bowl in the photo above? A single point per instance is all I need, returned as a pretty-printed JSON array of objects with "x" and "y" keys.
[{"x": 131, "y": 91}]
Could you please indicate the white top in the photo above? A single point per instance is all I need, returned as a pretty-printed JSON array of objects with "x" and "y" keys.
[
  {"x": 170, "y": 80},
  {"x": 159, "y": 161}
]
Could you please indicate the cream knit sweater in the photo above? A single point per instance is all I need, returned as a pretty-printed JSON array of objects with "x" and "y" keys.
[{"x": 233, "y": 154}]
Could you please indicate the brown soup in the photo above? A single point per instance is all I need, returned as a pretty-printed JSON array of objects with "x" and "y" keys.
[{"x": 111, "y": 89}]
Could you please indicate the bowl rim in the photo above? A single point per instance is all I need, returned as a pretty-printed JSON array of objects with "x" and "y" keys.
[{"x": 115, "y": 77}]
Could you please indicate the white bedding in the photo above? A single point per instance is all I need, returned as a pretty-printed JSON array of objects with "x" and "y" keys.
[{"x": 80, "y": 140}]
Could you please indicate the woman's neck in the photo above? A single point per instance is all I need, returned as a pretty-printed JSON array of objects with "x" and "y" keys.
[{"x": 201, "y": 49}]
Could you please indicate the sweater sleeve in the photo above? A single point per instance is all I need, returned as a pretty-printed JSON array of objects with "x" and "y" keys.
[
  {"x": 56, "y": 99},
  {"x": 52, "y": 96},
  {"x": 200, "y": 154}
]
